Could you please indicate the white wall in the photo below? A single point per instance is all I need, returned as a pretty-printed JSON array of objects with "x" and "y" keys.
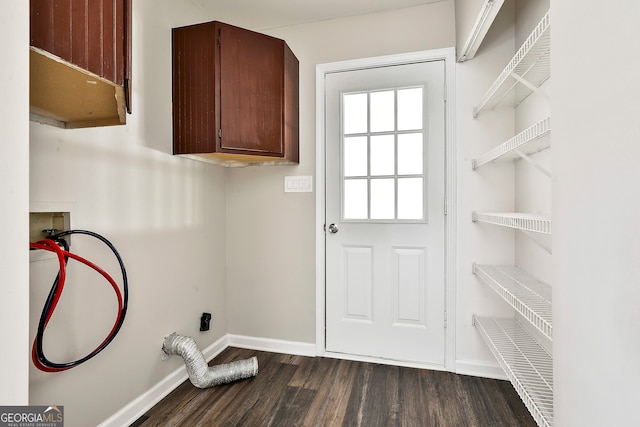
[
  {"x": 14, "y": 185},
  {"x": 271, "y": 258},
  {"x": 167, "y": 217},
  {"x": 533, "y": 188},
  {"x": 487, "y": 189},
  {"x": 596, "y": 211}
]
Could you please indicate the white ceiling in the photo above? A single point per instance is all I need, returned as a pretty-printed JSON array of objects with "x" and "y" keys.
[{"x": 265, "y": 14}]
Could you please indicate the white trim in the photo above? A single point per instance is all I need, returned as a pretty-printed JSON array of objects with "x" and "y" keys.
[
  {"x": 451, "y": 180},
  {"x": 272, "y": 345},
  {"x": 321, "y": 71},
  {"x": 480, "y": 369},
  {"x": 134, "y": 410},
  {"x": 448, "y": 55},
  {"x": 131, "y": 412},
  {"x": 381, "y": 361}
]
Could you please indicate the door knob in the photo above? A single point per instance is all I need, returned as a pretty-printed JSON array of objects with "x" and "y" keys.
[{"x": 333, "y": 228}]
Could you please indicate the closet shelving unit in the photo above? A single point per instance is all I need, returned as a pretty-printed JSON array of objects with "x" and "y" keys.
[{"x": 527, "y": 364}]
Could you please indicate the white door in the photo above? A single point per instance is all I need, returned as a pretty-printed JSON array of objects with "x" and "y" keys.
[{"x": 385, "y": 225}]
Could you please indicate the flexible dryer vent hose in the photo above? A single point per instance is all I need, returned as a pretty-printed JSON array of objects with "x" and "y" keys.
[{"x": 201, "y": 374}]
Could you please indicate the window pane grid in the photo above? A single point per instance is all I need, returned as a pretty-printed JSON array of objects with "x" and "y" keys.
[{"x": 388, "y": 185}]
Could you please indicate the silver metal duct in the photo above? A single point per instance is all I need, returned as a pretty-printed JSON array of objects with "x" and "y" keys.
[{"x": 200, "y": 373}]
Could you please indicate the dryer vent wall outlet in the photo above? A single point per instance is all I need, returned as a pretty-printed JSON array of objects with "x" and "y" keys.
[{"x": 205, "y": 322}]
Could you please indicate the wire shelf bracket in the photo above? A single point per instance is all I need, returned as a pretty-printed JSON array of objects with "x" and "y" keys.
[
  {"x": 533, "y": 163},
  {"x": 538, "y": 241},
  {"x": 529, "y": 68},
  {"x": 526, "y": 363},
  {"x": 527, "y": 295}
]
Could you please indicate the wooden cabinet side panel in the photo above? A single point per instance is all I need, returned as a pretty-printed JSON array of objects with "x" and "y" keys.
[
  {"x": 194, "y": 105},
  {"x": 291, "y": 106},
  {"x": 123, "y": 50},
  {"x": 251, "y": 92}
]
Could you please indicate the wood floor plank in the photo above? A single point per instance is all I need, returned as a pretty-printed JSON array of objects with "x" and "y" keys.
[
  {"x": 332, "y": 397},
  {"x": 297, "y": 391},
  {"x": 256, "y": 406},
  {"x": 413, "y": 397},
  {"x": 307, "y": 376},
  {"x": 293, "y": 407},
  {"x": 369, "y": 401}
]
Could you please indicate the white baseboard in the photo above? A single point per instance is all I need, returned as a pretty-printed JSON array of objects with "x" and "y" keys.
[
  {"x": 131, "y": 412},
  {"x": 480, "y": 369},
  {"x": 382, "y": 361},
  {"x": 134, "y": 410},
  {"x": 273, "y": 345}
]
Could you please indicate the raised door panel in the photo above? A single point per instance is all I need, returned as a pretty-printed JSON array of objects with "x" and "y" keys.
[
  {"x": 251, "y": 92},
  {"x": 357, "y": 280}
]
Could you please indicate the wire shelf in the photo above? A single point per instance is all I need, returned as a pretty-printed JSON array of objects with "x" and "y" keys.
[
  {"x": 527, "y": 295},
  {"x": 520, "y": 221},
  {"x": 530, "y": 66},
  {"x": 528, "y": 365},
  {"x": 529, "y": 141}
]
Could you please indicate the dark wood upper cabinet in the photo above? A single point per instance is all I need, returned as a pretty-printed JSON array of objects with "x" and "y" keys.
[
  {"x": 235, "y": 95},
  {"x": 80, "y": 62}
]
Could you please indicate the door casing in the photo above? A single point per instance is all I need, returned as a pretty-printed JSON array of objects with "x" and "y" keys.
[{"x": 448, "y": 55}]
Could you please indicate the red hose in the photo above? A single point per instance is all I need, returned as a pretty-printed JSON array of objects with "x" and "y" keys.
[{"x": 51, "y": 246}]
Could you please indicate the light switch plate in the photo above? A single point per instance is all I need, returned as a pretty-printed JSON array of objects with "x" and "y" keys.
[{"x": 298, "y": 184}]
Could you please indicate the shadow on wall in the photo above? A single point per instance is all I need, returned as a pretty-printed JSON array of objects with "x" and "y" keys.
[{"x": 152, "y": 67}]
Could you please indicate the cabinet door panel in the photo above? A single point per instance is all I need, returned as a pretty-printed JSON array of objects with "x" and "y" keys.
[
  {"x": 78, "y": 54},
  {"x": 251, "y": 77}
]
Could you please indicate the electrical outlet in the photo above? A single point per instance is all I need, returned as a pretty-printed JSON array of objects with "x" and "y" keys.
[
  {"x": 205, "y": 322},
  {"x": 298, "y": 184}
]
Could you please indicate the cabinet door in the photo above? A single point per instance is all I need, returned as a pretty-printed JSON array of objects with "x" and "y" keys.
[{"x": 251, "y": 92}]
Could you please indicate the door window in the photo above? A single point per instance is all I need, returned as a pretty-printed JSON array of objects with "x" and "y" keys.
[{"x": 382, "y": 141}]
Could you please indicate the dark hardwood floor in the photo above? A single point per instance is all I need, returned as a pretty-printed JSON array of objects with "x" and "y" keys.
[{"x": 307, "y": 391}]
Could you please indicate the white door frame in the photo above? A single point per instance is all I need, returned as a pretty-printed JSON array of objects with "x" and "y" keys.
[{"x": 448, "y": 55}]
